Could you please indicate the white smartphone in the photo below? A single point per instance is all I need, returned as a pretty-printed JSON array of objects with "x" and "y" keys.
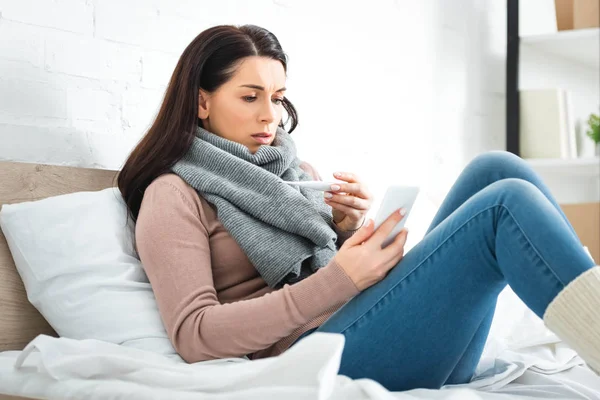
[{"x": 396, "y": 197}]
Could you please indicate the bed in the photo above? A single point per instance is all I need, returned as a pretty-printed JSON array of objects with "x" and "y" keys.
[{"x": 522, "y": 360}]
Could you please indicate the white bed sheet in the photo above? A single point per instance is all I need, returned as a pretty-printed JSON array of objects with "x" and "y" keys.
[
  {"x": 522, "y": 360},
  {"x": 88, "y": 369}
]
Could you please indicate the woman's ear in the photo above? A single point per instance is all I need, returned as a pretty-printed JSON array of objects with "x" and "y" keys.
[{"x": 203, "y": 105}]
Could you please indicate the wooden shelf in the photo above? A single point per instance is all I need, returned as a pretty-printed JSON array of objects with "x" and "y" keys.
[{"x": 578, "y": 45}]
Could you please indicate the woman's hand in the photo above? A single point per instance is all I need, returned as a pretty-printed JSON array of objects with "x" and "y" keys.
[
  {"x": 362, "y": 258},
  {"x": 350, "y": 203}
]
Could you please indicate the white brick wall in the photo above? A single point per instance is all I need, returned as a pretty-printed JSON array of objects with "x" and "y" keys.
[
  {"x": 67, "y": 15},
  {"x": 19, "y": 42},
  {"x": 395, "y": 90},
  {"x": 89, "y": 57}
]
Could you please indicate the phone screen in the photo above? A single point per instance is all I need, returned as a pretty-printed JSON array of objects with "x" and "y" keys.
[{"x": 397, "y": 196}]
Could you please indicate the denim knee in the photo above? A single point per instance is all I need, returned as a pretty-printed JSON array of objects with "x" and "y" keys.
[
  {"x": 517, "y": 187},
  {"x": 495, "y": 159}
]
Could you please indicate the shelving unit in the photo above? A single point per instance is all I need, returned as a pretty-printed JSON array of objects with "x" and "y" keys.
[
  {"x": 575, "y": 183},
  {"x": 575, "y": 45},
  {"x": 577, "y": 167}
]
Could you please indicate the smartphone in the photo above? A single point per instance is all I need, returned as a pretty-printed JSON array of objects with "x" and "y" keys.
[{"x": 396, "y": 197}]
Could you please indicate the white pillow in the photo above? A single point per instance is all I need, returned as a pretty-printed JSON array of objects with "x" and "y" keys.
[{"x": 75, "y": 254}]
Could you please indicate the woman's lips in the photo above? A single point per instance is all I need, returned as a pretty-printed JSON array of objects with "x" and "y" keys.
[{"x": 262, "y": 139}]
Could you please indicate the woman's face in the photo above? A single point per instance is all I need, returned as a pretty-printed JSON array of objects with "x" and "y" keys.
[{"x": 248, "y": 106}]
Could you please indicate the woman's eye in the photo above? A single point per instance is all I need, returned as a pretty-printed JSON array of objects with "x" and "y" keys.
[{"x": 250, "y": 99}]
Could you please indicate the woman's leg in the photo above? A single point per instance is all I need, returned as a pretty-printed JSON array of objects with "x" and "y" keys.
[
  {"x": 411, "y": 329},
  {"x": 483, "y": 170},
  {"x": 488, "y": 168}
]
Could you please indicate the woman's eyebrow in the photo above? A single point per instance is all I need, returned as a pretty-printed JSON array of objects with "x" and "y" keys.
[{"x": 258, "y": 87}]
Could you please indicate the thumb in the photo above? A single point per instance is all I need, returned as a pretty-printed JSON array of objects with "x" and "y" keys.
[{"x": 362, "y": 234}]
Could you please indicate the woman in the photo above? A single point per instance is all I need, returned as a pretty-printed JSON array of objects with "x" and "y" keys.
[{"x": 244, "y": 265}]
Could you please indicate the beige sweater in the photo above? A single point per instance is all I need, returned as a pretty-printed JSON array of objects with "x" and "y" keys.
[{"x": 212, "y": 300}]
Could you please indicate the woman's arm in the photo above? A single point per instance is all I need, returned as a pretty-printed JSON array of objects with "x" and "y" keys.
[{"x": 173, "y": 245}]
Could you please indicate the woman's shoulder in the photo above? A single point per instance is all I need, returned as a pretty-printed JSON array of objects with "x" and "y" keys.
[
  {"x": 174, "y": 181},
  {"x": 170, "y": 184},
  {"x": 170, "y": 179}
]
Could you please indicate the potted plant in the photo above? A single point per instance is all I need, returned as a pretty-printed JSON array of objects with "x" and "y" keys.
[{"x": 594, "y": 131}]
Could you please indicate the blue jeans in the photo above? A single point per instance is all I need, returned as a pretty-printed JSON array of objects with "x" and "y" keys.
[{"x": 426, "y": 323}]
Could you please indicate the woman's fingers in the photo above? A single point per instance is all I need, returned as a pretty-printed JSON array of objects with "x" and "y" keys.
[
  {"x": 351, "y": 212},
  {"x": 351, "y": 202},
  {"x": 354, "y": 188},
  {"x": 386, "y": 228},
  {"x": 347, "y": 176},
  {"x": 395, "y": 250},
  {"x": 360, "y": 235}
]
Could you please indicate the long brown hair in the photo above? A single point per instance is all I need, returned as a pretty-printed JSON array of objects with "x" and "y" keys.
[{"x": 207, "y": 63}]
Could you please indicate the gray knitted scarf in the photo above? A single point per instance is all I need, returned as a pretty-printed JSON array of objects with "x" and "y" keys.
[{"x": 285, "y": 231}]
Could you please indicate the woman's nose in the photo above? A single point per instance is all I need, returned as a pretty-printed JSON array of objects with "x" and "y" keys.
[{"x": 268, "y": 113}]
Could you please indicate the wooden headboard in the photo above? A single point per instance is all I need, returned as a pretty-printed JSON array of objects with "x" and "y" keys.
[{"x": 20, "y": 322}]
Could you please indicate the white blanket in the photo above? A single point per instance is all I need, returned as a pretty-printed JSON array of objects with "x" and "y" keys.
[
  {"x": 521, "y": 360},
  {"x": 91, "y": 369}
]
